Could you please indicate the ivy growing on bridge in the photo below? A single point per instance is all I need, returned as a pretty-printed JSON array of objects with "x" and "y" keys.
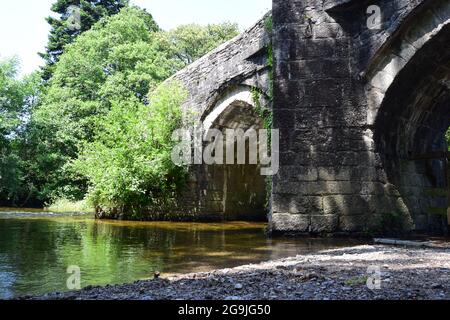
[
  {"x": 448, "y": 139},
  {"x": 265, "y": 111},
  {"x": 269, "y": 30}
]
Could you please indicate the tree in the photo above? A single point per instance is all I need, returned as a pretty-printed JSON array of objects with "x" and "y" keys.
[
  {"x": 116, "y": 61},
  {"x": 191, "y": 42},
  {"x": 108, "y": 68},
  {"x": 129, "y": 164},
  {"x": 76, "y": 17},
  {"x": 11, "y": 99},
  {"x": 16, "y": 98}
]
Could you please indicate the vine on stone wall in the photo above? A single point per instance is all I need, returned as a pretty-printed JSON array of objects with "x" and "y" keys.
[
  {"x": 269, "y": 30},
  {"x": 448, "y": 139},
  {"x": 265, "y": 110}
]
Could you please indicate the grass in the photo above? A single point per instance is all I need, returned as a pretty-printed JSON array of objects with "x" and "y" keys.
[
  {"x": 66, "y": 206},
  {"x": 356, "y": 281}
]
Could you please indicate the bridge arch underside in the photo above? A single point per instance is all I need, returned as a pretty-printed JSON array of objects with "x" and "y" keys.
[
  {"x": 411, "y": 124},
  {"x": 233, "y": 192}
]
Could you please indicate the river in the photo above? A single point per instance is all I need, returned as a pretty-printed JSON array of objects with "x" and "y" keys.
[{"x": 36, "y": 249}]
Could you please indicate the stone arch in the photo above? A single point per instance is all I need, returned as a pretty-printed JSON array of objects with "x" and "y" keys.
[
  {"x": 352, "y": 101},
  {"x": 239, "y": 96},
  {"x": 429, "y": 20},
  {"x": 241, "y": 189},
  {"x": 219, "y": 87},
  {"x": 409, "y": 106}
]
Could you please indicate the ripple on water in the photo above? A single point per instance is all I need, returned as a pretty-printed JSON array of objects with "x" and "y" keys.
[
  {"x": 36, "y": 213},
  {"x": 36, "y": 248}
]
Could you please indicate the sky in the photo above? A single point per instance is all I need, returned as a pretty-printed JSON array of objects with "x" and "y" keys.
[{"x": 24, "y": 31}]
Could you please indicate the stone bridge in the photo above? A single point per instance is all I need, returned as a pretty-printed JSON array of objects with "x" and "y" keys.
[
  {"x": 222, "y": 88},
  {"x": 361, "y": 94}
]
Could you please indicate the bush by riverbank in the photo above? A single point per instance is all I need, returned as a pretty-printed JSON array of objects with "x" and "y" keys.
[
  {"x": 340, "y": 274},
  {"x": 64, "y": 206}
]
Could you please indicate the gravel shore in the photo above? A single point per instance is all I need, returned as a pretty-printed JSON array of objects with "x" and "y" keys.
[{"x": 342, "y": 274}]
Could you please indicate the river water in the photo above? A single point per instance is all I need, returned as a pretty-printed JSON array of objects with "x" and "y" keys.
[{"x": 36, "y": 249}]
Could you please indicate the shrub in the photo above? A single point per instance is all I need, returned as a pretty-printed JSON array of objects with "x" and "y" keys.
[{"x": 129, "y": 164}]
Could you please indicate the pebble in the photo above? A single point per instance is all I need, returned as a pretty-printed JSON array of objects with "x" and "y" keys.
[
  {"x": 437, "y": 286},
  {"x": 347, "y": 289},
  {"x": 238, "y": 286},
  {"x": 325, "y": 277},
  {"x": 232, "y": 298}
]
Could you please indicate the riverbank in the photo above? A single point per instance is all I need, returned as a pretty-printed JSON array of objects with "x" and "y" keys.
[
  {"x": 64, "y": 206},
  {"x": 406, "y": 273}
]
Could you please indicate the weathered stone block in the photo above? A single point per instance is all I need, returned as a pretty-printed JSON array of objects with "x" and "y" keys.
[
  {"x": 305, "y": 173},
  {"x": 329, "y": 30},
  {"x": 285, "y": 203},
  {"x": 285, "y": 222},
  {"x": 345, "y": 205},
  {"x": 284, "y": 118},
  {"x": 337, "y": 174},
  {"x": 318, "y": 188},
  {"x": 288, "y": 92},
  {"x": 353, "y": 223},
  {"x": 298, "y": 173},
  {"x": 324, "y": 223}
]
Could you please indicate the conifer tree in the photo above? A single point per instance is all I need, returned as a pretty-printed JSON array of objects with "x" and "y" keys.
[{"x": 75, "y": 17}]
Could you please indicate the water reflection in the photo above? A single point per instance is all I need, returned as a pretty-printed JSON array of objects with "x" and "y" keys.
[{"x": 36, "y": 249}]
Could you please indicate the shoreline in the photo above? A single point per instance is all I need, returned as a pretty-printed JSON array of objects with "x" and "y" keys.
[{"x": 406, "y": 273}]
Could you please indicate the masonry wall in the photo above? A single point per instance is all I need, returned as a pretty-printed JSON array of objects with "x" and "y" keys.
[
  {"x": 240, "y": 61},
  {"x": 219, "y": 192},
  {"x": 332, "y": 178}
]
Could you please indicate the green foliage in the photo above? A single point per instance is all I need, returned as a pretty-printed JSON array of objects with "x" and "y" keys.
[
  {"x": 269, "y": 30},
  {"x": 268, "y": 26},
  {"x": 13, "y": 93},
  {"x": 129, "y": 164},
  {"x": 69, "y": 206},
  {"x": 99, "y": 79},
  {"x": 117, "y": 60},
  {"x": 190, "y": 42},
  {"x": 63, "y": 33},
  {"x": 356, "y": 281},
  {"x": 266, "y": 114},
  {"x": 17, "y": 96},
  {"x": 114, "y": 63},
  {"x": 447, "y": 135}
]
